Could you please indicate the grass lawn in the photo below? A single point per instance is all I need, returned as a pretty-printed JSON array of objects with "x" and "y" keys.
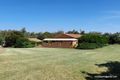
[{"x": 53, "y": 63}]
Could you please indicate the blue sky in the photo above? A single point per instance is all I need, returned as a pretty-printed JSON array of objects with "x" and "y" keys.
[{"x": 54, "y": 15}]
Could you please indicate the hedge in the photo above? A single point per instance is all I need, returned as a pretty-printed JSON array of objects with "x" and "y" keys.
[{"x": 92, "y": 41}]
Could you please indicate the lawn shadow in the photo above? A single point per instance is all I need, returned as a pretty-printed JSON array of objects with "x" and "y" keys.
[{"x": 113, "y": 72}]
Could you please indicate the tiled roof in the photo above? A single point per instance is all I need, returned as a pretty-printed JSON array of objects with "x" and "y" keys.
[
  {"x": 67, "y": 36},
  {"x": 74, "y": 35}
]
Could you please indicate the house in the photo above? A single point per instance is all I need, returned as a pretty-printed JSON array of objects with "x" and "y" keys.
[{"x": 62, "y": 41}]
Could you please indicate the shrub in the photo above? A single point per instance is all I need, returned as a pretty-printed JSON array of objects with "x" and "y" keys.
[
  {"x": 92, "y": 41},
  {"x": 23, "y": 43},
  {"x": 86, "y": 45},
  {"x": 114, "y": 38},
  {"x": 17, "y": 39},
  {"x": 93, "y": 38},
  {"x": 11, "y": 37}
]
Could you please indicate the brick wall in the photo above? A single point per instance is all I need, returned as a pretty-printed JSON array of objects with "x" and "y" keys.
[{"x": 59, "y": 44}]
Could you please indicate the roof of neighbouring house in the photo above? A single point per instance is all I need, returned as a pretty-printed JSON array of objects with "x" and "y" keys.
[
  {"x": 74, "y": 35},
  {"x": 68, "y": 36},
  {"x": 34, "y": 39},
  {"x": 59, "y": 39}
]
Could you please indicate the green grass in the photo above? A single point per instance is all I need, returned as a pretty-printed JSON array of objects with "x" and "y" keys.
[{"x": 53, "y": 63}]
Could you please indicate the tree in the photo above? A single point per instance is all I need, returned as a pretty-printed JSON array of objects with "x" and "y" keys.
[
  {"x": 47, "y": 35},
  {"x": 113, "y": 38},
  {"x": 23, "y": 31},
  {"x": 33, "y": 35},
  {"x": 82, "y": 31},
  {"x": 11, "y": 37},
  {"x": 17, "y": 39},
  {"x": 73, "y": 32},
  {"x": 40, "y": 36}
]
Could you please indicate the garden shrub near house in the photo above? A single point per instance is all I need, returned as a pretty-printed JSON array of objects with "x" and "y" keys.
[
  {"x": 23, "y": 43},
  {"x": 17, "y": 39},
  {"x": 92, "y": 41},
  {"x": 86, "y": 45}
]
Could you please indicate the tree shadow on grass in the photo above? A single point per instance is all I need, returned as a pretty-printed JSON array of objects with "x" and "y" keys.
[{"x": 113, "y": 72}]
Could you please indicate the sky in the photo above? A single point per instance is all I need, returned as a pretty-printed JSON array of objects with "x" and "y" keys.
[{"x": 57, "y": 15}]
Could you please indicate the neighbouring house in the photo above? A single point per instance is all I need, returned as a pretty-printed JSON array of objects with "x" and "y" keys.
[
  {"x": 76, "y": 36},
  {"x": 62, "y": 41}
]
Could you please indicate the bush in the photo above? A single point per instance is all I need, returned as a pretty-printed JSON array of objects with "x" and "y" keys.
[
  {"x": 93, "y": 38},
  {"x": 23, "y": 43},
  {"x": 92, "y": 41},
  {"x": 11, "y": 37},
  {"x": 114, "y": 38},
  {"x": 88, "y": 45},
  {"x": 18, "y": 40}
]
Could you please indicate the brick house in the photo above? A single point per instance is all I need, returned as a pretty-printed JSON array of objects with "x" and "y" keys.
[{"x": 62, "y": 41}]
